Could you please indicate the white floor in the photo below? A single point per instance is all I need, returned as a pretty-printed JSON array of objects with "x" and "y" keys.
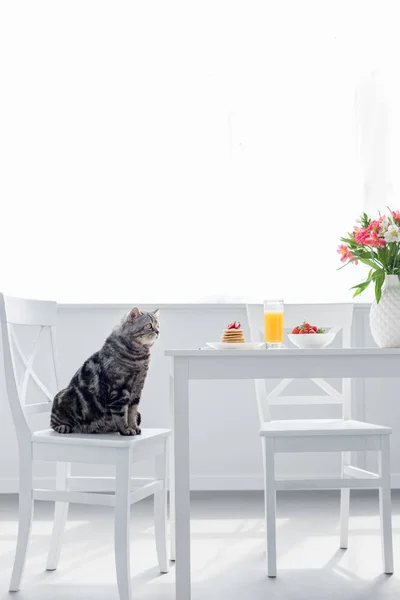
[{"x": 228, "y": 551}]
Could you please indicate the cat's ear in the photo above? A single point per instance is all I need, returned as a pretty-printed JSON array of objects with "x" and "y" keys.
[
  {"x": 156, "y": 312},
  {"x": 134, "y": 313}
]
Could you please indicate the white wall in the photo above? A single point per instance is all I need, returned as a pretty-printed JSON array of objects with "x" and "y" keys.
[{"x": 225, "y": 447}]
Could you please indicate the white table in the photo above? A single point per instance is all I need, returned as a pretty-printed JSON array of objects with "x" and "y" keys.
[{"x": 189, "y": 365}]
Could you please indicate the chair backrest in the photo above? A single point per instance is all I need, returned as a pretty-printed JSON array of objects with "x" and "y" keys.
[
  {"x": 337, "y": 316},
  {"x": 40, "y": 318}
]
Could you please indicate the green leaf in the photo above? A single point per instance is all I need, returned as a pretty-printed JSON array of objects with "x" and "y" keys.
[
  {"x": 384, "y": 255},
  {"x": 378, "y": 273},
  {"x": 378, "y": 287},
  {"x": 360, "y": 287},
  {"x": 363, "y": 285},
  {"x": 365, "y": 220},
  {"x": 369, "y": 262},
  {"x": 348, "y": 240}
]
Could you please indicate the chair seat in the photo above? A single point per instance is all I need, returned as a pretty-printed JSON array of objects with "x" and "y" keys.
[
  {"x": 310, "y": 427},
  {"x": 109, "y": 440}
]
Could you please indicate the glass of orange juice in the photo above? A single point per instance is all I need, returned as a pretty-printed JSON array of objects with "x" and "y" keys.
[{"x": 273, "y": 323}]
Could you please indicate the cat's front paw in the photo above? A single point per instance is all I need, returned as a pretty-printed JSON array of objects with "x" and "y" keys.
[
  {"x": 128, "y": 431},
  {"x": 62, "y": 429},
  {"x": 138, "y": 430}
]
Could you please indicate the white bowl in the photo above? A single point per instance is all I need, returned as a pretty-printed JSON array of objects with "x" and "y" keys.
[{"x": 307, "y": 341}]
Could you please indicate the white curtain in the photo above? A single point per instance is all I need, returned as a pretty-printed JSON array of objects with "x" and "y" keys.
[{"x": 179, "y": 151}]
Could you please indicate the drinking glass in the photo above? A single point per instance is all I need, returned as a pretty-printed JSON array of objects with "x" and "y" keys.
[{"x": 273, "y": 323}]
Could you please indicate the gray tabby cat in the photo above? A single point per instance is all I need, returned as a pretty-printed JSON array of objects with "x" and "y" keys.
[{"x": 104, "y": 394}]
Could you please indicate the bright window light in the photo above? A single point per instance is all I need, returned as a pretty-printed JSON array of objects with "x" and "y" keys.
[{"x": 175, "y": 151}]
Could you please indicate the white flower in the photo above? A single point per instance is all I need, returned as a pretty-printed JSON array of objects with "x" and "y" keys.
[
  {"x": 392, "y": 234},
  {"x": 385, "y": 224}
]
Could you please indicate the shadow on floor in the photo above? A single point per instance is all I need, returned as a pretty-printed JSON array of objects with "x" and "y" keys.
[{"x": 228, "y": 559}]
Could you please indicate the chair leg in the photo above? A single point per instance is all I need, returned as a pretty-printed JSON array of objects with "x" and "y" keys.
[
  {"x": 385, "y": 504},
  {"x": 171, "y": 474},
  {"x": 160, "y": 511},
  {"x": 122, "y": 524},
  {"x": 60, "y": 518},
  {"x": 344, "y": 505},
  {"x": 270, "y": 504},
  {"x": 25, "y": 516}
]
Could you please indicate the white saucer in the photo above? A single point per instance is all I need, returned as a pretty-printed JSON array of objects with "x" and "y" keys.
[{"x": 242, "y": 346}]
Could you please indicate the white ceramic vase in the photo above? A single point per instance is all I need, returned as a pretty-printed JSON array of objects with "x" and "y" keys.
[{"x": 384, "y": 318}]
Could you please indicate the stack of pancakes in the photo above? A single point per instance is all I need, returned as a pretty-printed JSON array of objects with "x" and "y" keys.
[{"x": 233, "y": 336}]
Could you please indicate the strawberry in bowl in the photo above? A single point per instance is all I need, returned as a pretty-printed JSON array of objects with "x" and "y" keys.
[
  {"x": 307, "y": 336},
  {"x": 307, "y": 328}
]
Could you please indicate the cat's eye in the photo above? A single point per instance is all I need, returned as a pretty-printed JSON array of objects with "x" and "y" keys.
[{"x": 149, "y": 326}]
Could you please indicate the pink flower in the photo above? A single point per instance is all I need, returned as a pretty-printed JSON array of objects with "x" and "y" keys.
[
  {"x": 345, "y": 253},
  {"x": 361, "y": 235},
  {"x": 369, "y": 236},
  {"x": 374, "y": 226},
  {"x": 396, "y": 215},
  {"x": 374, "y": 240}
]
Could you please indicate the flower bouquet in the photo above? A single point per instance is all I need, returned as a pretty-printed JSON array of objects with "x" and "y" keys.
[{"x": 375, "y": 243}]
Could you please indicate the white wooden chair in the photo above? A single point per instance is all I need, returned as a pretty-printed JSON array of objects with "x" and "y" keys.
[
  {"x": 46, "y": 445},
  {"x": 320, "y": 435}
]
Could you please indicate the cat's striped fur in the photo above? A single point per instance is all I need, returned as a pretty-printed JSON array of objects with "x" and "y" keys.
[{"x": 104, "y": 394}]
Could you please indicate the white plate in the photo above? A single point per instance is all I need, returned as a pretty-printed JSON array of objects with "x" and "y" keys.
[{"x": 243, "y": 346}]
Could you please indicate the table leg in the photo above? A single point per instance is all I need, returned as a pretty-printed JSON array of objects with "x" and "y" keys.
[{"x": 182, "y": 485}]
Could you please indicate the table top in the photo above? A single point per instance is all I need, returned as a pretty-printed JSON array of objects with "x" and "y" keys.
[{"x": 292, "y": 352}]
